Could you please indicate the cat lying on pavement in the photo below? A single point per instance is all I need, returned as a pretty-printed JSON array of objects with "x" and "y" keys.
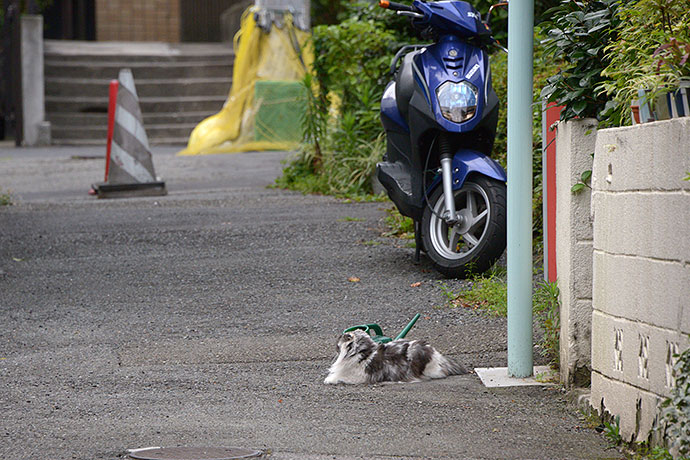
[{"x": 362, "y": 360}]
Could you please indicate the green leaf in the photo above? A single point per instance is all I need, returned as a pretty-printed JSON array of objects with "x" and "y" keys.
[
  {"x": 577, "y": 187},
  {"x": 610, "y": 105},
  {"x": 586, "y": 175},
  {"x": 599, "y": 27},
  {"x": 579, "y": 107}
]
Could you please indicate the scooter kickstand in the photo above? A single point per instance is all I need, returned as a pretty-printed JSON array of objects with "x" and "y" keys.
[{"x": 417, "y": 240}]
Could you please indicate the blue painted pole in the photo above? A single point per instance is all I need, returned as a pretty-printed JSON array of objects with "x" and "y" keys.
[{"x": 520, "y": 73}]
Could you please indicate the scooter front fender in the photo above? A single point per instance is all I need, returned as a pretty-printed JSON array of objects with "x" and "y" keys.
[{"x": 466, "y": 162}]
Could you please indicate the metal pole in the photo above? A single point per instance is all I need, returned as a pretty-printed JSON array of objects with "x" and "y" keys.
[{"x": 520, "y": 72}]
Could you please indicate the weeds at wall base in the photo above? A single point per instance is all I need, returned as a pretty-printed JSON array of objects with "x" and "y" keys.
[
  {"x": 488, "y": 293},
  {"x": 399, "y": 226},
  {"x": 5, "y": 199},
  {"x": 669, "y": 439},
  {"x": 644, "y": 452}
]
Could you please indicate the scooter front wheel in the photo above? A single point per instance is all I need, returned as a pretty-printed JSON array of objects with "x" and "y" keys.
[{"x": 477, "y": 239}]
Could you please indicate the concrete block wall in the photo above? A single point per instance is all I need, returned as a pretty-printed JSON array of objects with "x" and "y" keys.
[
  {"x": 641, "y": 268},
  {"x": 575, "y": 143},
  {"x": 134, "y": 20}
]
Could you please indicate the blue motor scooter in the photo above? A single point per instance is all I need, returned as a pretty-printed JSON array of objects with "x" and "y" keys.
[{"x": 440, "y": 114}]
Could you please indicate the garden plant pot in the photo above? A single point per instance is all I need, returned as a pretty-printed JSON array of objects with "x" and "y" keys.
[{"x": 635, "y": 114}]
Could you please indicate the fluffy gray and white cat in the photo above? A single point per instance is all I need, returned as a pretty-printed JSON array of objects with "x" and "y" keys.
[{"x": 362, "y": 360}]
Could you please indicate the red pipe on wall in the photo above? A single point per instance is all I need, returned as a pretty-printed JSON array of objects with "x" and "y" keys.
[{"x": 552, "y": 115}]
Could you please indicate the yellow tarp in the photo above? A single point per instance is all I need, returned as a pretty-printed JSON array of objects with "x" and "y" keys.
[{"x": 281, "y": 55}]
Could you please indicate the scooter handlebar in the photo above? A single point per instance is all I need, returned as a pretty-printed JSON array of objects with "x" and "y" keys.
[{"x": 387, "y": 4}]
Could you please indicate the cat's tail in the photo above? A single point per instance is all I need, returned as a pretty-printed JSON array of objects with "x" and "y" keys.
[
  {"x": 452, "y": 367},
  {"x": 440, "y": 366}
]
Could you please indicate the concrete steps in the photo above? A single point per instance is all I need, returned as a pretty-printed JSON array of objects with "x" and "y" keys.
[
  {"x": 178, "y": 86},
  {"x": 181, "y": 87},
  {"x": 101, "y": 119},
  {"x": 59, "y": 68},
  {"x": 99, "y": 132},
  {"x": 176, "y": 141}
]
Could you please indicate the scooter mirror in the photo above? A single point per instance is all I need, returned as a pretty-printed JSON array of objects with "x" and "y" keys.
[{"x": 488, "y": 13}]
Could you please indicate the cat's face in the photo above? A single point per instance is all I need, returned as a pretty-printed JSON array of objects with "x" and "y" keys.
[
  {"x": 345, "y": 339},
  {"x": 353, "y": 341}
]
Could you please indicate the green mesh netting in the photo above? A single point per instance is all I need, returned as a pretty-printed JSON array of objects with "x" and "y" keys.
[{"x": 281, "y": 106}]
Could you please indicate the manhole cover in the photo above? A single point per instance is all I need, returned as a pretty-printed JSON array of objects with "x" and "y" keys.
[{"x": 194, "y": 453}]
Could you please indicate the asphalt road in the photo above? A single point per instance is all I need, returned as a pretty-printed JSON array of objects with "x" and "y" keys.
[{"x": 208, "y": 317}]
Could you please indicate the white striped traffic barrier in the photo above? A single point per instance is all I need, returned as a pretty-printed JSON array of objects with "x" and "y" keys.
[{"x": 129, "y": 166}]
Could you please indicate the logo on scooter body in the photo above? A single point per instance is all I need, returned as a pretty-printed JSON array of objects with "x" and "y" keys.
[{"x": 472, "y": 71}]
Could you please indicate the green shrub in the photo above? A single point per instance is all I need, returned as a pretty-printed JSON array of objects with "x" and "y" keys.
[
  {"x": 578, "y": 34},
  {"x": 343, "y": 138},
  {"x": 545, "y": 66},
  {"x": 325, "y": 12},
  {"x": 652, "y": 53}
]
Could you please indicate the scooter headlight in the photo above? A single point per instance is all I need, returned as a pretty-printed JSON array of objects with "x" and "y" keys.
[{"x": 458, "y": 101}]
